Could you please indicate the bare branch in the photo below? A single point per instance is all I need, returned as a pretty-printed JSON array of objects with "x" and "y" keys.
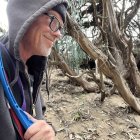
[
  {"x": 133, "y": 12},
  {"x": 122, "y": 16},
  {"x": 105, "y": 65}
]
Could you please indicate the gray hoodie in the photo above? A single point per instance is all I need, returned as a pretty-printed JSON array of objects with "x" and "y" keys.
[{"x": 21, "y": 13}]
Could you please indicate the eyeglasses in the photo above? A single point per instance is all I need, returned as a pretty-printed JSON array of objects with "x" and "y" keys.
[{"x": 55, "y": 24}]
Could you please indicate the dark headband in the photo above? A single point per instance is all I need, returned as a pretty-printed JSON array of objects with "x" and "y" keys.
[{"x": 61, "y": 9}]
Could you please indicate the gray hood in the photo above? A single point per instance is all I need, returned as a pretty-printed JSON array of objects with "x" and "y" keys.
[{"x": 21, "y": 13}]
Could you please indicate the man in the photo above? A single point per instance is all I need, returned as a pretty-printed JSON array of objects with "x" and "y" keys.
[{"x": 34, "y": 27}]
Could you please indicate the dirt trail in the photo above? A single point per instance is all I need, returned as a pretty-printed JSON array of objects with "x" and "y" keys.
[{"x": 78, "y": 115}]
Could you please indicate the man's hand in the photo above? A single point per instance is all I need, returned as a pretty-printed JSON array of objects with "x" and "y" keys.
[{"x": 39, "y": 130}]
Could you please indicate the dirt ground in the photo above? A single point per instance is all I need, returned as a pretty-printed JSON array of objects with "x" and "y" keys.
[{"x": 78, "y": 115}]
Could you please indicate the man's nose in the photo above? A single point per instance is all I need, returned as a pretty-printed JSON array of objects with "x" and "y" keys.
[{"x": 57, "y": 34}]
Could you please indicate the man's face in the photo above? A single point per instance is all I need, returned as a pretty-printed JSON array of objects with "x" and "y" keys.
[{"x": 39, "y": 38}]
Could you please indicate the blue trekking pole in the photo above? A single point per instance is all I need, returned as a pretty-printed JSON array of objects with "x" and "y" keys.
[{"x": 25, "y": 121}]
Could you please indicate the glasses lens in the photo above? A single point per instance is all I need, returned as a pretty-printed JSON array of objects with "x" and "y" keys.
[{"x": 55, "y": 25}]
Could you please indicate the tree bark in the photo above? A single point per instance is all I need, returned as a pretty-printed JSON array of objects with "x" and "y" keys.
[
  {"x": 73, "y": 75},
  {"x": 106, "y": 65}
]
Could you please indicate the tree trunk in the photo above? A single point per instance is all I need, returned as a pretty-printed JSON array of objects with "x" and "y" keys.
[
  {"x": 121, "y": 66},
  {"x": 72, "y": 74}
]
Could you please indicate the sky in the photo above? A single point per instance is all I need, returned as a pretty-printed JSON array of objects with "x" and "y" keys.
[{"x": 3, "y": 16}]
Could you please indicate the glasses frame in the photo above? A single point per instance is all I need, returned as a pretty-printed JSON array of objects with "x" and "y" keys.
[{"x": 52, "y": 17}]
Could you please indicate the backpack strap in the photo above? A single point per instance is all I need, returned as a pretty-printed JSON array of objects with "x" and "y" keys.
[
  {"x": 7, "y": 64},
  {"x": 17, "y": 124},
  {"x": 9, "y": 67}
]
